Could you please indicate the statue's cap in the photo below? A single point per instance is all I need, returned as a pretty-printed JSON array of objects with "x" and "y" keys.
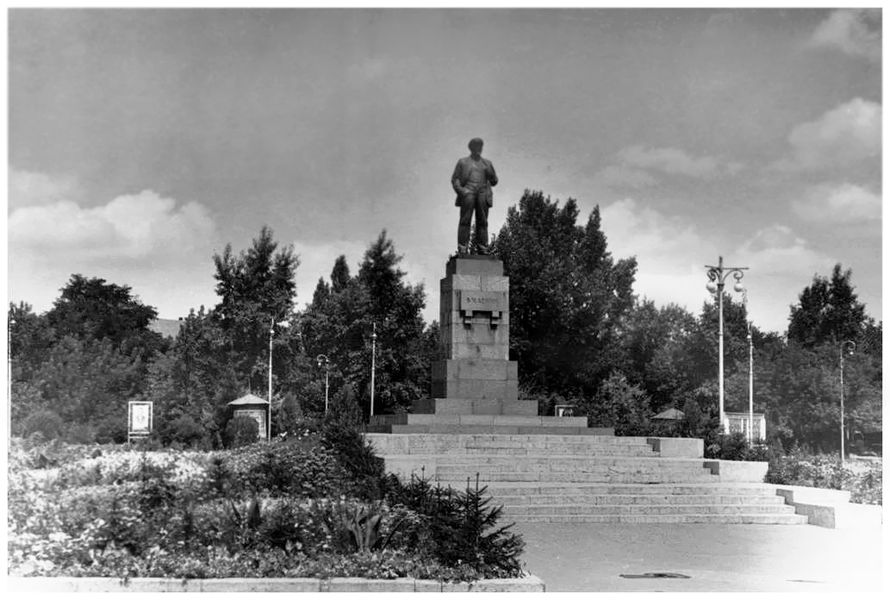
[{"x": 475, "y": 142}]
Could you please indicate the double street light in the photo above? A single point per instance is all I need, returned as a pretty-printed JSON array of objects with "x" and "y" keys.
[
  {"x": 716, "y": 280},
  {"x": 847, "y": 346}
]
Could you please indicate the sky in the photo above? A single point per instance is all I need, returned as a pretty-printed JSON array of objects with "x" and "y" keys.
[{"x": 141, "y": 142}]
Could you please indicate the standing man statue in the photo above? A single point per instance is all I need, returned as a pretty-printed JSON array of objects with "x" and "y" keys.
[{"x": 472, "y": 180}]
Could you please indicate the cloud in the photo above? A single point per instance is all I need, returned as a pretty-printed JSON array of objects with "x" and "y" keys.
[
  {"x": 839, "y": 203},
  {"x": 160, "y": 247},
  {"x": 140, "y": 226},
  {"x": 843, "y": 136},
  {"x": 636, "y": 165},
  {"x": 615, "y": 175},
  {"x": 672, "y": 161},
  {"x": 672, "y": 254},
  {"x": 853, "y": 32},
  {"x": 29, "y": 188}
]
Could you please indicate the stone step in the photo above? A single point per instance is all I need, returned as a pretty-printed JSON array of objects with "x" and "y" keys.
[
  {"x": 638, "y": 499},
  {"x": 532, "y": 489},
  {"x": 566, "y": 451},
  {"x": 557, "y": 463},
  {"x": 778, "y": 519},
  {"x": 469, "y": 429},
  {"x": 604, "y": 476},
  {"x": 635, "y": 509}
]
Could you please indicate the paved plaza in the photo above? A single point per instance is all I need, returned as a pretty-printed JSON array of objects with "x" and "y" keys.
[{"x": 580, "y": 557}]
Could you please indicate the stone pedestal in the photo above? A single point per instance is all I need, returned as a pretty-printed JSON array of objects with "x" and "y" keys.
[
  {"x": 476, "y": 377},
  {"x": 475, "y": 388}
]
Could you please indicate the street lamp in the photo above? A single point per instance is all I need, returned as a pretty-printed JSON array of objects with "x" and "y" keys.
[
  {"x": 852, "y": 346},
  {"x": 272, "y": 325},
  {"x": 717, "y": 278},
  {"x": 322, "y": 359},
  {"x": 373, "y": 363},
  {"x": 750, "y": 386}
]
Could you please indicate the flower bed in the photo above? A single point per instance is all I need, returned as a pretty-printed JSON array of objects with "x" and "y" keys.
[
  {"x": 863, "y": 481},
  {"x": 287, "y": 509}
]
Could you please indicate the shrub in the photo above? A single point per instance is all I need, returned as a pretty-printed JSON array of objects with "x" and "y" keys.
[
  {"x": 735, "y": 446},
  {"x": 356, "y": 456},
  {"x": 46, "y": 422},
  {"x": 185, "y": 430},
  {"x": 459, "y": 528},
  {"x": 866, "y": 488},
  {"x": 241, "y": 431}
]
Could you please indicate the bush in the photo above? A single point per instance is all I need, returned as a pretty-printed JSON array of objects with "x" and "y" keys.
[
  {"x": 46, "y": 422},
  {"x": 186, "y": 431},
  {"x": 301, "y": 467},
  {"x": 866, "y": 488},
  {"x": 258, "y": 511},
  {"x": 241, "y": 431},
  {"x": 356, "y": 456},
  {"x": 799, "y": 468},
  {"x": 458, "y": 528}
]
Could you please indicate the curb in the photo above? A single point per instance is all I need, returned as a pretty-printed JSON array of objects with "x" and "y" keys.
[{"x": 529, "y": 583}]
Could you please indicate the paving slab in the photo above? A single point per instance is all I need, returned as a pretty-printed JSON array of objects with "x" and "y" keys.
[{"x": 591, "y": 557}]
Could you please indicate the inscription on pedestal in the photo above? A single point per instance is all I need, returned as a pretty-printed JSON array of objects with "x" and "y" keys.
[{"x": 493, "y": 303}]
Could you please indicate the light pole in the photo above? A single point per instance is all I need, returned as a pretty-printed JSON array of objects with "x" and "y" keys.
[
  {"x": 373, "y": 363},
  {"x": 9, "y": 380},
  {"x": 852, "y": 346},
  {"x": 272, "y": 325},
  {"x": 322, "y": 359},
  {"x": 750, "y": 386},
  {"x": 717, "y": 278}
]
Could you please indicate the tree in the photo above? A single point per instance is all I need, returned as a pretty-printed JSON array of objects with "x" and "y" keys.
[
  {"x": 91, "y": 309},
  {"x": 618, "y": 404},
  {"x": 256, "y": 289},
  {"x": 828, "y": 310},
  {"x": 339, "y": 323},
  {"x": 655, "y": 342},
  {"x": 568, "y": 297}
]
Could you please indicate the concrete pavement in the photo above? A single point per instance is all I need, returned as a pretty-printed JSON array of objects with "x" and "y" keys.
[{"x": 716, "y": 558}]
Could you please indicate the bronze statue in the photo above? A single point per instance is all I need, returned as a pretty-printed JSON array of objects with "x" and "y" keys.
[{"x": 472, "y": 180}]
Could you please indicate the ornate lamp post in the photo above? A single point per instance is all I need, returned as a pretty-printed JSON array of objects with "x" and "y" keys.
[
  {"x": 852, "y": 346},
  {"x": 272, "y": 325},
  {"x": 716, "y": 280},
  {"x": 373, "y": 363},
  {"x": 323, "y": 360}
]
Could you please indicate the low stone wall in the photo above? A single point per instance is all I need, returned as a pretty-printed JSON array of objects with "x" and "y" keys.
[
  {"x": 677, "y": 447},
  {"x": 741, "y": 471},
  {"x": 830, "y": 508},
  {"x": 530, "y": 583}
]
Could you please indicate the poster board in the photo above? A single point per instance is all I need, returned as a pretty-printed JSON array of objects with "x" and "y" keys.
[{"x": 140, "y": 419}]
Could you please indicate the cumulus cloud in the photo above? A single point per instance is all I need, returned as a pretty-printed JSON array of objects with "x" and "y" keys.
[
  {"x": 29, "y": 188},
  {"x": 636, "y": 166},
  {"x": 844, "y": 136},
  {"x": 138, "y": 226},
  {"x": 670, "y": 160},
  {"x": 776, "y": 252},
  {"x": 160, "y": 247},
  {"x": 853, "y": 32},
  {"x": 839, "y": 203},
  {"x": 672, "y": 254}
]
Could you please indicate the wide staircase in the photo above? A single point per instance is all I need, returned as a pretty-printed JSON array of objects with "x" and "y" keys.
[{"x": 582, "y": 478}]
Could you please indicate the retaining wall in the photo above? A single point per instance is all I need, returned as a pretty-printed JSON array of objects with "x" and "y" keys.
[{"x": 529, "y": 583}]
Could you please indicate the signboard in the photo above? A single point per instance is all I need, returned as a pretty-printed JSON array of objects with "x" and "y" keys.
[
  {"x": 564, "y": 410},
  {"x": 481, "y": 301},
  {"x": 140, "y": 419},
  {"x": 493, "y": 303}
]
